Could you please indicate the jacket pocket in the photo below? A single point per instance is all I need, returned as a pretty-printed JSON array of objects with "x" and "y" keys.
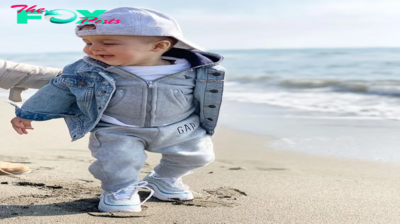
[
  {"x": 77, "y": 82},
  {"x": 180, "y": 97},
  {"x": 128, "y": 102},
  {"x": 172, "y": 102},
  {"x": 118, "y": 95},
  {"x": 81, "y": 88}
]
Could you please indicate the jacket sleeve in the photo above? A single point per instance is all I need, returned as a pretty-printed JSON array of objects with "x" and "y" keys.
[
  {"x": 208, "y": 96},
  {"x": 52, "y": 101},
  {"x": 19, "y": 76}
]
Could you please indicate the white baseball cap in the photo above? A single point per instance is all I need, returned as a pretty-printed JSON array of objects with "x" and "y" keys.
[{"x": 137, "y": 22}]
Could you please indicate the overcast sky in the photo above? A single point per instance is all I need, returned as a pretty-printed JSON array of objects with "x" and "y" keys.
[{"x": 215, "y": 24}]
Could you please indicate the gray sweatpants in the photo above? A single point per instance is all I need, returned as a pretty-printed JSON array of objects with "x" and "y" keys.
[{"x": 120, "y": 151}]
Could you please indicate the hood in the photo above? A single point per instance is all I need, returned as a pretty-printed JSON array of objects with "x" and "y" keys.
[{"x": 195, "y": 58}]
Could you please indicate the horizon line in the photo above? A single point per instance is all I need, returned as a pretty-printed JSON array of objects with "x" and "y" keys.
[{"x": 237, "y": 49}]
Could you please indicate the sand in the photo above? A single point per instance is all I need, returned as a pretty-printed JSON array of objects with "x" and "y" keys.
[{"x": 248, "y": 183}]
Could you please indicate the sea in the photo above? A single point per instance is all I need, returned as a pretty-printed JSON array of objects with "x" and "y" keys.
[{"x": 331, "y": 102}]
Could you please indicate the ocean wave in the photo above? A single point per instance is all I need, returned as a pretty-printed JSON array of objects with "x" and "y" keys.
[
  {"x": 336, "y": 104},
  {"x": 255, "y": 79},
  {"x": 308, "y": 83},
  {"x": 375, "y": 87}
]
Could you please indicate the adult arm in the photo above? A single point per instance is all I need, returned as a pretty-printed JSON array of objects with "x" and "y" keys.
[{"x": 19, "y": 77}]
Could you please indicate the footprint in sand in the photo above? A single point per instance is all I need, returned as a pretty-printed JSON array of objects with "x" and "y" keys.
[
  {"x": 211, "y": 198},
  {"x": 60, "y": 199}
]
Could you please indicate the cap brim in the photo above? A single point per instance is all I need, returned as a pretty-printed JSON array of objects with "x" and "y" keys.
[{"x": 185, "y": 44}]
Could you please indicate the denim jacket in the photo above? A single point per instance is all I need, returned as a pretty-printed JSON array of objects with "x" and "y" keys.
[{"x": 82, "y": 92}]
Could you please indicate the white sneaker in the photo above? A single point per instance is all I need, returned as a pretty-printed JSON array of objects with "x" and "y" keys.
[
  {"x": 124, "y": 200},
  {"x": 168, "y": 189}
]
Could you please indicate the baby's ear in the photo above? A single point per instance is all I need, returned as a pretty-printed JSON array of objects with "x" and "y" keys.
[
  {"x": 162, "y": 45},
  {"x": 88, "y": 27}
]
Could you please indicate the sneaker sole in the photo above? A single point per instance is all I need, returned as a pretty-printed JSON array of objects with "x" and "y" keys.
[
  {"x": 119, "y": 210},
  {"x": 115, "y": 208}
]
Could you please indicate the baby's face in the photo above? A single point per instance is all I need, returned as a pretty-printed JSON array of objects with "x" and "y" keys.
[{"x": 119, "y": 50}]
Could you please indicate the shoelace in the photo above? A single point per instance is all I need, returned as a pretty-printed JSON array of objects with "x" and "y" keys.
[
  {"x": 126, "y": 193},
  {"x": 174, "y": 182}
]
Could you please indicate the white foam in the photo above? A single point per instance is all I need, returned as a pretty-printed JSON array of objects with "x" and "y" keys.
[{"x": 338, "y": 104}]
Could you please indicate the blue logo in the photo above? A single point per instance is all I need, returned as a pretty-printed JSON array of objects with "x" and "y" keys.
[{"x": 51, "y": 16}]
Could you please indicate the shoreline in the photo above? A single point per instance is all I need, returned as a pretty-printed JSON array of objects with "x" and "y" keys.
[
  {"x": 315, "y": 133},
  {"x": 312, "y": 132}
]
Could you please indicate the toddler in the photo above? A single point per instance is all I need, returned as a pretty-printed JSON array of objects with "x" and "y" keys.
[{"x": 141, "y": 87}]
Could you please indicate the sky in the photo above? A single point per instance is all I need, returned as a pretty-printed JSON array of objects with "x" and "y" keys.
[{"x": 216, "y": 24}]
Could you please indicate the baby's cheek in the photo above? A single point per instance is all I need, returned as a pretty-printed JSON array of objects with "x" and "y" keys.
[
  {"x": 86, "y": 51},
  {"x": 131, "y": 56}
]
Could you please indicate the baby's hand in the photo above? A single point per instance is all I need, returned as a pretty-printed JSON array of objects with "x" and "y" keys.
[{"x": 20, "y": 125}]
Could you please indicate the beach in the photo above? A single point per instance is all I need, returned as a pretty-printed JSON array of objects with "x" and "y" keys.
[
  {"x": 249, "y": 182},
  {"x": 304, "y": 136},
  {"x": 308, "y": 130}
]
